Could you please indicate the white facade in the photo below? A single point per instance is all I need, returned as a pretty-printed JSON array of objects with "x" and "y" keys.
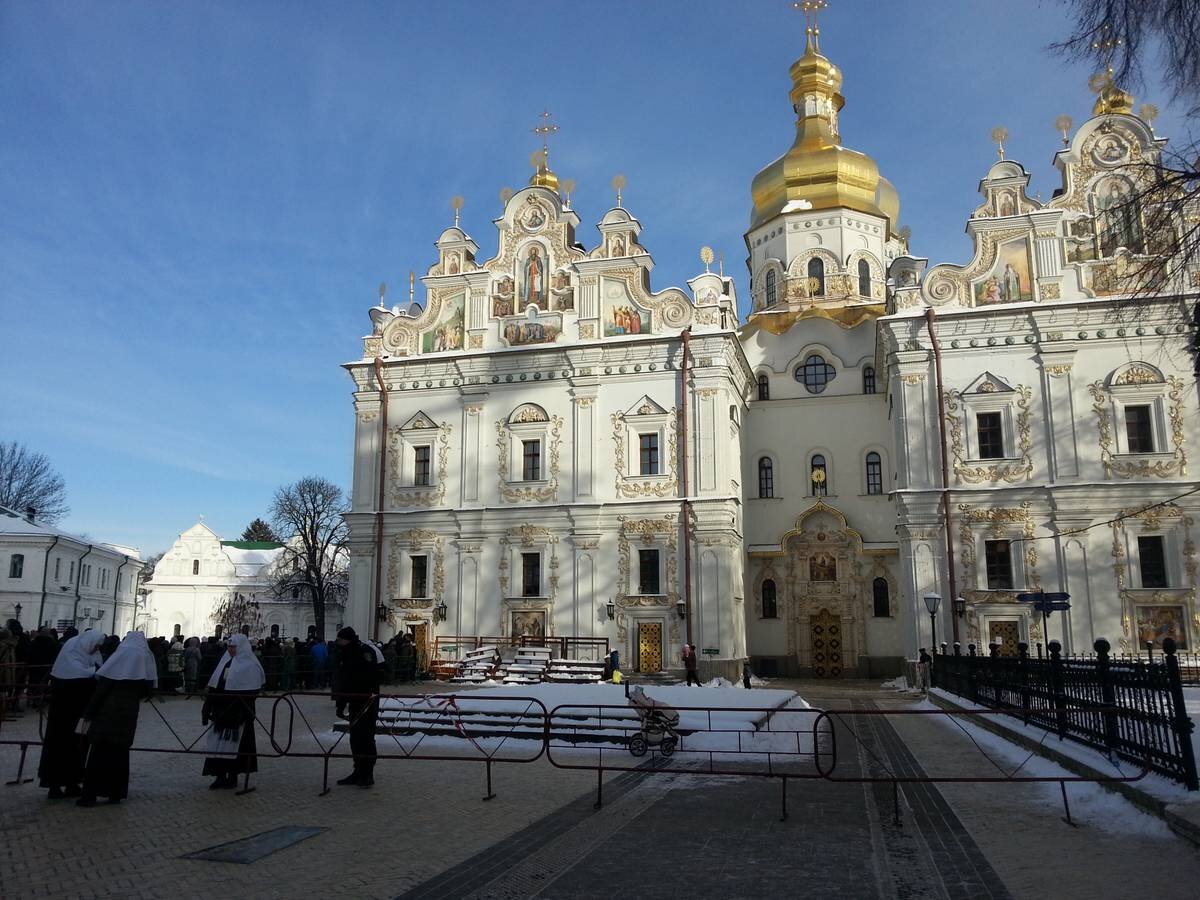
[
  {"x": 813, "y": 433},
  {"x": 60, "y": 579},
  {"x": 200, "y": 571}
]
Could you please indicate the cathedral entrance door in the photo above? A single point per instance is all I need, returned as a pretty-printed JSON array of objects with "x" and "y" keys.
[
  {"x": 1008, "y": 632},
  {"x": 826, "y": 645},
  {"x": 420, "y": 636},
  {"x": 649, "y": 647}
]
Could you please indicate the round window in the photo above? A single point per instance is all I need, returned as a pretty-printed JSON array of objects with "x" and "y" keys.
[{"x": 815, "y": 374}]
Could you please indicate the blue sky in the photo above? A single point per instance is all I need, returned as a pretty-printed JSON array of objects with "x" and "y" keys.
[{"x": 199, "y": 199}]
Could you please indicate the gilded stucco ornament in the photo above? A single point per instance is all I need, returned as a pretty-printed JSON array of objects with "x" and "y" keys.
[
  {"x": 414, "y": 541},
  {"x": 999, "y": 521},
  {"x": 664, "y": 485},
  {"x": 1009, "y": 472},
  {"x": 508, "y": 490},
  {"x": 1128, "y": 465},
  {"x": 407, "y": 495},
  {"x": 651, "y": 532}
]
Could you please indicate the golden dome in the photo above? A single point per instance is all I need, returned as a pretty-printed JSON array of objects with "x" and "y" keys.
[
  {"x": 888, "y": 201},
  {"x": 816, "y": 169},
  {"x": 542, "y": 176},
  {"x": 1112, "y": 99}
]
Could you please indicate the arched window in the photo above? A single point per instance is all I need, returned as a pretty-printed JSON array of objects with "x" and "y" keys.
[
  {"x": 766, "y": 478},
  {"x": 771, "y": 292},
  {"x": 764, "y": 387},
  {"x": 868, "y": 379},
  {"x": 816, "y": 277},
  {"x": 819, "y": 476},
  {"x": 770, "y": 607},
  {"x": 879, "y": 594},
  {"x": 864, "y": 278},
  {"x": 275, "y": 631},
  {"x": 874, "y": 473},
  {"x": 815, "y": 374}
]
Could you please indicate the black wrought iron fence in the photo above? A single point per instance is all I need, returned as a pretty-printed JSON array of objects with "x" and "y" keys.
[{"x": 1075, "y": 698}]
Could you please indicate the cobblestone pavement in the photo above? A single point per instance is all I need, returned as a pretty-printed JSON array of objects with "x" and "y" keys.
[{"x": 424, "y": 831}]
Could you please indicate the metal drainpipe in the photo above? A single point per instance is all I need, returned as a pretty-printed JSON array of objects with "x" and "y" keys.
[
  {"x": 116, "y": 590},
  {"x": 45, "y": 569},
  {"x": 383, "y": 412},
  {"x": 685, "y": 503},
  {"x": 937, "y": 364},
  {"x": 78, "y": 580}
]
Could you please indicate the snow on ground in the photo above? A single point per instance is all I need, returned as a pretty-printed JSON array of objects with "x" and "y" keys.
[
  {"x": 1156, "y": 786},
  {"x": 1091, "y": 804}
]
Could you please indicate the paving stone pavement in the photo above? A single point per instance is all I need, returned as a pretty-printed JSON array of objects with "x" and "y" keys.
[{"x": 424, "y": 831}]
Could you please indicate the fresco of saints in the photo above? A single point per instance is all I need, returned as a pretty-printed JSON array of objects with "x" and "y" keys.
[
  {"x": 822, "y": 568},
  {"x": 1010, "y": 284},
  {"x": 1120, "y": 218},
  {"x": 533, "y": 287},
  {"x": 991, "y": 291}
]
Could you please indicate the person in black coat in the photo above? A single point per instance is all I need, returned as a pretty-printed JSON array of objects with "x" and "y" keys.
[
  {"x": 72, "y": 682},
  {"x": 229, "y": 705},
  {"x": 358, "y": 682},
  {"x": 110, "y": 720}
]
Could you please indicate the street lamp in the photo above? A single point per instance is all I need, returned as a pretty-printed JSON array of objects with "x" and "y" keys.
[
  {"x": 681, "y": 608},
  {"x": 610, "y": 608},
  {"x": 960, "y": 607},
  {"x": 439, "y": 612},
  {"x": 932, "y": 601}
]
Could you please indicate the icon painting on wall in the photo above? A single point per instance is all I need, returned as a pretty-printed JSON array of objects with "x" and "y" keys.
[
  {"x": 448, "y": 334},
  {"x": 1154, "y": 623},
  {"x": 529, "y": 623},
  {"x": 1010, "y": 280},
  {"x": 533, "y": 288},
  {"x": 532, "y": 329}
]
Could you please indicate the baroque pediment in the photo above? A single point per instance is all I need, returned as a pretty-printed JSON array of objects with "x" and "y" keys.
[{"x": 987, "y": 383}]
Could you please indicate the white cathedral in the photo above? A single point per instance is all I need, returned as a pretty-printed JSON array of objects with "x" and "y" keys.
[{"x": 548, "y": 447}]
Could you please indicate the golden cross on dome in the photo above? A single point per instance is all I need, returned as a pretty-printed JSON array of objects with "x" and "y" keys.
[
  {"x": 545, "y": 129},
  {"x": 812, "y": 12},
  {"x": 1000, "y": 135}
]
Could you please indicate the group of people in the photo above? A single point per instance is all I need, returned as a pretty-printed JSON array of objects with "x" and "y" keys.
[{"x": 94, "y": 702}]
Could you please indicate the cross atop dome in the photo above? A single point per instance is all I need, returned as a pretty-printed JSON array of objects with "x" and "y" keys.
[
  {"x": 812, "y": 13},
  {"x": 540, "y": 159}
]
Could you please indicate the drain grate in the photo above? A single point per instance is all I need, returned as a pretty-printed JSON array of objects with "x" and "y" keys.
[{"x": 251, "y": 849}]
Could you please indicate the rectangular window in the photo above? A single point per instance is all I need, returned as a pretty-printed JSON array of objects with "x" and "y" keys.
[
  {"x": 16, "y": 565},
  {"x": 999, "y": 565},
  {"x": 531, "y": 460},
  {"x": 648, "y": 582},
  {"x": 421, "y": 466},
  {"x": 991, "y": 435},
  {"x": 531, "y": 574},
  {"x": 87, "y": 575},
  {"x": 71, "y": 577},
  {"x": 195, "y": 567},
  {"x": 1139, "y": 429},
  {"x": 420, "y": 575},
  {"x": 1153, "y": 561},
  {"x": 648, "y": 447},
  {"x": 57, "y": 567}
]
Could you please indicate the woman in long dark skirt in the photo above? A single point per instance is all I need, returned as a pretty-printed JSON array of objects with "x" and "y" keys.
[
  {"x": 229, "y": 705},
  {"x": 111, "y": 717},
  {"x": 72, "y": 682}
]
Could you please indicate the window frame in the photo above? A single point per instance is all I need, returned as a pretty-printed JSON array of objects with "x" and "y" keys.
[
  {"x": 818, "y": 488},
  {"x": 655, "y": 572},
  {"x": 1002, "y": 435},
  {"x": 423, "y": 571},
  {"x": 770, "y": 599},
  {"x": 526, "y": 443},
  {"x": 771, "y": 288},
  {"x": 1164, "y": 569},
  {"x": 527, "y": 557},
  {"x": 878, "y": 474},
  {"x": 195, "y": 566},
  {"x": 815, "y": 269},
  {"x": 868, "y": 381},
  {"x": 766, "y": 478},
  {"x": 764, "y": 386},
  {"x": 864, "y": 277},
  {"x": 810, "y": 365},
  {"x": 654, "y": 459},
  {"x": 994, "y": 579},
  {"x": 422, "y": 467},
  {"x": 16, "y": 565},
  {"x": 877, "y": 597}
]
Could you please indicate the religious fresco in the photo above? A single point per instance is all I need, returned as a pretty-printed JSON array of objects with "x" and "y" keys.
[
  {"x": 822, "y": 567},
  {"x": 448, "y": 333},
  {"x": 562, "y": 295},
  {"x": 1154, "y": 623},
  {"x": 531, "y": 329},
  {"x": 1010, "y": 280},
  {"x": 503, "y": 297},
  {"x": 528, "y": 623},
  {"x": 1110, "y": 150},
  {"x": 533, "y": 287},
  {"x": 1117, "y": 216}
]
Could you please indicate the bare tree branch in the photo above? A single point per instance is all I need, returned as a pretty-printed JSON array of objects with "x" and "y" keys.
[{"x": 28, "y": 481}]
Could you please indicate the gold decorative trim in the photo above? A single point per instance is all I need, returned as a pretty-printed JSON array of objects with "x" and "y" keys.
[
  {"x": 1155, "y": 517},
  {"x": 651, "y": 532},
  {"x": 1057, "y": 371},
  {"x": 1140, "y": 468},
  {"x": 1009, "y": 472},
  {"x": 996, "y": 519},
  {"x": 663, "y": 486},
  {"x": 529, "y": 494},
  {"x": 1139, "y": 375},
  {"x": 422, "y": 496},
  {"x": 416, "y": 539},
  {"x": 527, "y": 535},
  {"x": 587, "y": 331},
  {"x": 918, "y": 378}
]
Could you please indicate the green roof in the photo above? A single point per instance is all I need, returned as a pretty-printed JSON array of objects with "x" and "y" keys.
[{"x": 252, "y": 545}]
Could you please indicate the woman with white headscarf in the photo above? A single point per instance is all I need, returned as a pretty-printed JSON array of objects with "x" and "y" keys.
[
  {"x": 229, "y": 705},
  {"x": 72, "y": 682},
  {"x": 110, "y": 720}
]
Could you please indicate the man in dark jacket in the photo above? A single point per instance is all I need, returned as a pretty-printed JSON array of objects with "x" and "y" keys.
[{"x": 358, "y": 682}]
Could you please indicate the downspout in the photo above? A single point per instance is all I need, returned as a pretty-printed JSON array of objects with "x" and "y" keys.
[
  {"x": 383, "y": 413},
  {"x": 117, "y": 590},
  {"x": 45, "y": 569},
  {"x": 78, "y": 580},
  {"x": 937, "y": 364},
  {"x": 685, "y": 503}
]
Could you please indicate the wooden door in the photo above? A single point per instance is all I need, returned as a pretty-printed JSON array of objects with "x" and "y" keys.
[
  {"x": 1009, "y": 632},
  {"x": 649, "y": 647},
  {"x": 826, "y": 645}
]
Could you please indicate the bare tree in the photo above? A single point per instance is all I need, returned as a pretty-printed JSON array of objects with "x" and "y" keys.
[
  {"x": 28, "y": 481},
  {"x": 309, "y": 513},
  {"x": 238, "y": 613}
]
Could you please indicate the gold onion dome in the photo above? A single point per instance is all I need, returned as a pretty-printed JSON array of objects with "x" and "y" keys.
[
  {"x": 817, "y": 168},
  {"x": 1110, "y": 98},
  {"x": 542, "y": 176}
]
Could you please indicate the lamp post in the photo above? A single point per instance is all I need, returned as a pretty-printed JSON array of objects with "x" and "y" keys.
[{"x": 932, "y": 601}]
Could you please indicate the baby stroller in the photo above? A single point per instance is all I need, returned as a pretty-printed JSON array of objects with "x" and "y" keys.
[{"x": 658, "y": 724}]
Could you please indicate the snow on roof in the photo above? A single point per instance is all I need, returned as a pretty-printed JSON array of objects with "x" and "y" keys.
[
  {"x": 250, "y": 562},
  {"x": 14, "y": 523}
]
